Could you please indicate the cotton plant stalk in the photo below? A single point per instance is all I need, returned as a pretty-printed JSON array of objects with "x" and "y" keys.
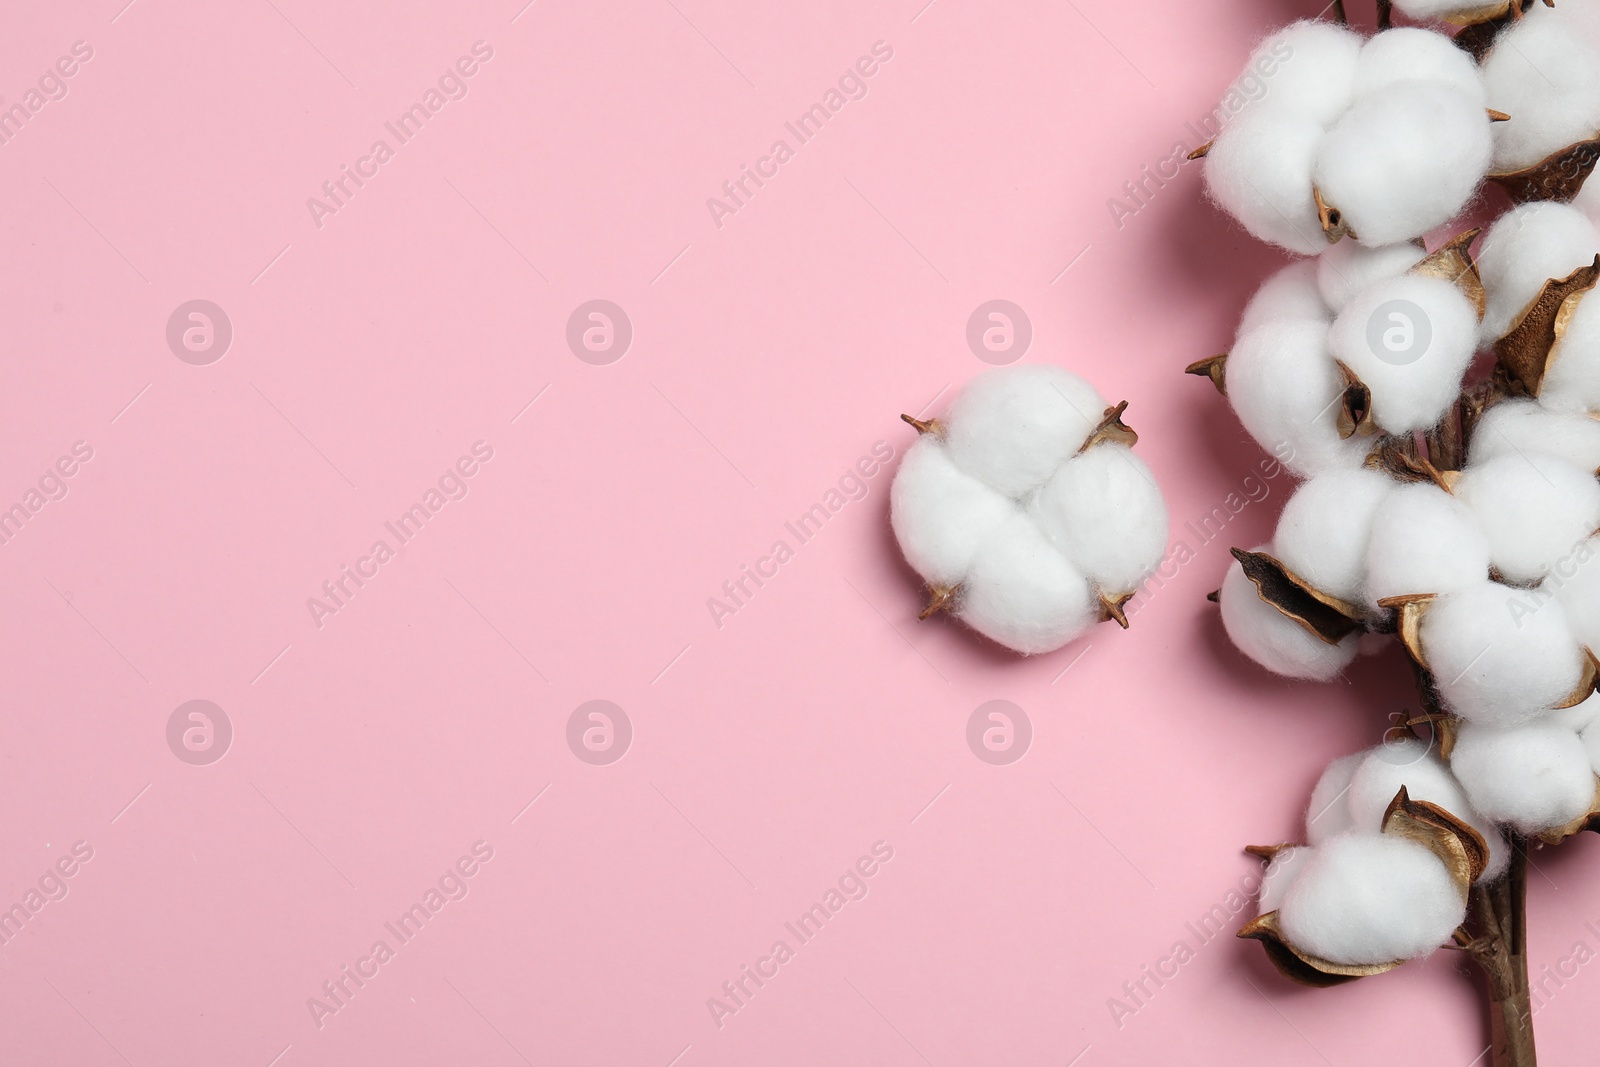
[{"x": 1453, "y": 512}]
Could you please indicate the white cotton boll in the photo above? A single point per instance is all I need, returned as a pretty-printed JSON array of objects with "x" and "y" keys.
[
  {"x": 1380, "y": 772},
  {"x": 1104, "y": 511},
  {"x": 1411, "y": 54},
  {"x": 1591, "y": 745},
  {"x": 1259, "y": 171},
  {"x": 1544, "y": 75},
  {"x": 1497, "y": 657},
  {"x": 1409, "y": 340},
  {"x": 1533, "y": 507},
  {"x": 1284, "y": 387},
  {"x": 1371, "y": 898},
  {"x": 1307, "y": 69},
  {"x": 1572, "y": 380},
  {"x": 1536, "y": 776},
  {"x": 942, "y": 515},
  {"x": 1024, "y": 593},
  {"x": 1575, "y": 581},
  {"x": 1521, "y": 425},
  {"x": 1329, "y": 811},
  {"x": 1424, "y": 541},
  {"x": 1326, "y": 527},
  {"x": 1012, "y": 426},
  {"x": 1526, "y": 247},
  {"x": 1350, "y": 267},
  {"x": 1291, "y": 293},
  {"x": 1274, "y": 640},
  {"x": 1402, "y": 162},
  {"x": 1280, "y": 875}
]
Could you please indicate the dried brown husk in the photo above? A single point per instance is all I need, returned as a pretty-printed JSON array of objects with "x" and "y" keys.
[
  {"x": 1355, "y": 406},
  {"x": 940, "y": 598},
  {"x": 1409, "y": 611},
  {"x": 932, "y": 426},
  {"x": 1481, "y": 25},
  {"x": 1112, "y": 430},
  {"x": 1213, "y": 367},
  {"x": 1303, "y": 967},
  {"x": 1111, "y": 608},
  {"x": 1525, "y": 353},
  {"x": 1462, "y": 850},
  {"x": 1325, "y": 617},
  {"x": 1397, "y": 456},
  {"x": 1334, "y": 226},
  {"x": 1453, "y": 262},
  {"x": 1558, "y": 176}
]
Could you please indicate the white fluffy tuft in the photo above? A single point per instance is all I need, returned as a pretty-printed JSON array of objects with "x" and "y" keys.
[
  {"x": 1536, "y": 776},
  {"x": 1274, "y": 640}
]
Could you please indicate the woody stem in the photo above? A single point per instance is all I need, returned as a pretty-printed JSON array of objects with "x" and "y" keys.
[{"x": 1498, "y": 922}]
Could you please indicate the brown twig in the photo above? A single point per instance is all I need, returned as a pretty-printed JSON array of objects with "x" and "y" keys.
[{"x": 1498, "y": 943}]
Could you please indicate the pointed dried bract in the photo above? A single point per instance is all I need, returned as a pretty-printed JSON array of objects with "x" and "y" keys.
[
  {"x": 1111, "y": 429},
  {"x": 1202, "y": 151},
  {"x": 1481, "y": 25},
  {"x": 1111, "y": 608},
  {"x": 1459, "y": 847},
  {"x": 1558, "y": 176},
  {"x": 1213, "y": 367},
  {"x": 1453, "y": 262},
  {"x": 1334, "y": 227},
  {"x": 1325, "y": 617},
  {"x": 930, "y": 426},
  {"x": 1409, "y": 611},
  {"x": 1268, "y": 852},
  {"x": 1355, "y": 407},
  {"x": 1399, "y": 459},
  {"x": 1525, "y": 352},
  {"x": 1300, "y": 966},
  {"x": 939, "y": 599}
]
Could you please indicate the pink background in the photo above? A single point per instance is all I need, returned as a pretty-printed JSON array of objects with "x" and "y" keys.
[{"x": 768, "y": 355}]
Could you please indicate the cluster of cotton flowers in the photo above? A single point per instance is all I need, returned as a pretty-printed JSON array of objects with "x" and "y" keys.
[
  {"x": 1025, "y": 510},
  {"x": 1381, "y": 139},
  {"x": 1460, "y": 518}
]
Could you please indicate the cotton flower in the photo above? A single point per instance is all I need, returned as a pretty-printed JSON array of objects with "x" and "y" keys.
[
  {"x": 1383, "y": 139},
  {"x": 1025, "y": 509}
]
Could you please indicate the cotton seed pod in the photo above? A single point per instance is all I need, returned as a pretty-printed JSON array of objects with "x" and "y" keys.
[
  {"x": 1534, "y": 509},
  {"x": 1285, "y": 387},
  {"x": 1371, "y": 899},
  {"x": 1103, "y": 510},
  {"x": 1278, "y": 641},
  {"x": 1535, "y": 777},
  {"x": 1544, "y": 74},
  {"x": 1522, "y": 251},
  {"x": 1494, "y": 659},
  {"x": 1029, "y": 520},
  {"x": 1416, "y": 766},
  {"x": 1381, "y": 141},
  {"x": 1408, "y": 340},
  {"x": 1326, "y": 527},
  {"x": 1521, "y": 425},
  {"x": 1424, "y": 541}
]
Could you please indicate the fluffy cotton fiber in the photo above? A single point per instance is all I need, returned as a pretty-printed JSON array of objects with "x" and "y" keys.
[
  {"x": 1292, "y": 293},
  {"x": 1424, "y": 541},
  {"x": 1274, "y": 640},
  {"x": 1498, "y": 656},
  {"x": 1572, "y": 379},
  {"x": 1329, "y": 811},
  {"x": 1533, "y": 507},
  {"x": 1371, "y": 898},
  {"x": 1520, "y": 426},
  {"x": 1392, "y": 131},
  {"x": 1544, "y": 75},
  {"x": 1348, "y": 268},
  {"x": 1410, "y": 340},
  {"x": 1536, "y": 776},
  {"x": 1280, "y": 875},
  {"x": 1284, "y": 387},
  {"x": 1525, "y": 248},
  {"x": 1326, "y": 527},
  {"x": 999, "y": 509}
]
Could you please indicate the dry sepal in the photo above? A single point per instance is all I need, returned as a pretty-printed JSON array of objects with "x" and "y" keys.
[{"x": 1526, "y": 352}]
